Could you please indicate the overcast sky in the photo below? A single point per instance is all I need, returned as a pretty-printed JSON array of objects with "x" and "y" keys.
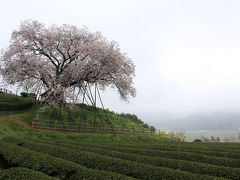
[{"x": 187, "y": 53}]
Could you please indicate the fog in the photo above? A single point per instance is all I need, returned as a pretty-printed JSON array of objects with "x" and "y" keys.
[{"x": 187, "y": 53}]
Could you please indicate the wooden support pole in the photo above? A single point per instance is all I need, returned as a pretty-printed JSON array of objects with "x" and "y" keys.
[
  {"x": 37, "y": 118},
  {"x": 81, "y": 110},
  {"x": 95, "y": 104},
  {"x": 100, "y": 99}
]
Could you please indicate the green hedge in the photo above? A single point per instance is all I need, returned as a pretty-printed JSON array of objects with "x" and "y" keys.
[
  {"x": 17, "y": 173},
  {"x": 53, "y": 166},
  {"x": 129, "y": 168},
  {"x": 14, "y": 106},
  {"x": 195, "y": 167}
]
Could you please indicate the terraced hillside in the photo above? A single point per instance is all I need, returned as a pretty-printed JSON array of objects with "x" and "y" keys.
[{"x": 71, "y": 159}]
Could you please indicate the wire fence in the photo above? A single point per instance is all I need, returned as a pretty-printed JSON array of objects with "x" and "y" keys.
[
  {"x": 104, "y": 129},
  {"x": 87, "y": 127}
]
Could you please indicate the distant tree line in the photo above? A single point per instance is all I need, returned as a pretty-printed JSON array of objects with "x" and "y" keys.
[
  {"x": 217, "y": 139},
  {"x": 135, "y": 119},
  {"x": 212, "y": 139}
]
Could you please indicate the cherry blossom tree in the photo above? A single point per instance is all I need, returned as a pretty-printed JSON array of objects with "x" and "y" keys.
[{"x": 59, "y": 62}]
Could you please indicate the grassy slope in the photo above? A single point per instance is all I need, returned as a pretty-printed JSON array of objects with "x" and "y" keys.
[
  {"x": 87, "y": 115},
  {"x": 18, "y": 124},
  {"x": 12, "y": 126}
]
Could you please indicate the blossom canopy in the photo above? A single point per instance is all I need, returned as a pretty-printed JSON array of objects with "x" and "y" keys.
[{"x": 55, "y": 61}]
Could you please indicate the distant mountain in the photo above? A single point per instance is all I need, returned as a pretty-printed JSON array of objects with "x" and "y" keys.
[{"x": 201, "y": 121}]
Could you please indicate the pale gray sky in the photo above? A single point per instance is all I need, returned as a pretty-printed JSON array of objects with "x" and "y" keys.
[{"x": 187, "y": 53}]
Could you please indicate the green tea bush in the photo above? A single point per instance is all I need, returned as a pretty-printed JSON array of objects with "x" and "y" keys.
[
  {"x": 129, "y": 168},
  {"x": 174, "y": 155},
  {"x": 17, "y": 173},
  {"x": 100, "y": 175},
  {"x": 214, "y": 147},
  {"x": 164, "y": 146},
  {"x": 53, "y": 166},
  {"x": 195, "y": 167},
  {"x": 231, "y": 153}
]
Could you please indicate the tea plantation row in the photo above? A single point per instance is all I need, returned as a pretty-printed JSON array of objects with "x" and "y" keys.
[
  {"x": 51, "y": 158},
  {"x": 180, "y": 154},
  {"x": 17, "y": 156}
]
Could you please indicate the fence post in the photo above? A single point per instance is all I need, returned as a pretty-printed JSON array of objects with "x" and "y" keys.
[{"x": 87, "y": 127}]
